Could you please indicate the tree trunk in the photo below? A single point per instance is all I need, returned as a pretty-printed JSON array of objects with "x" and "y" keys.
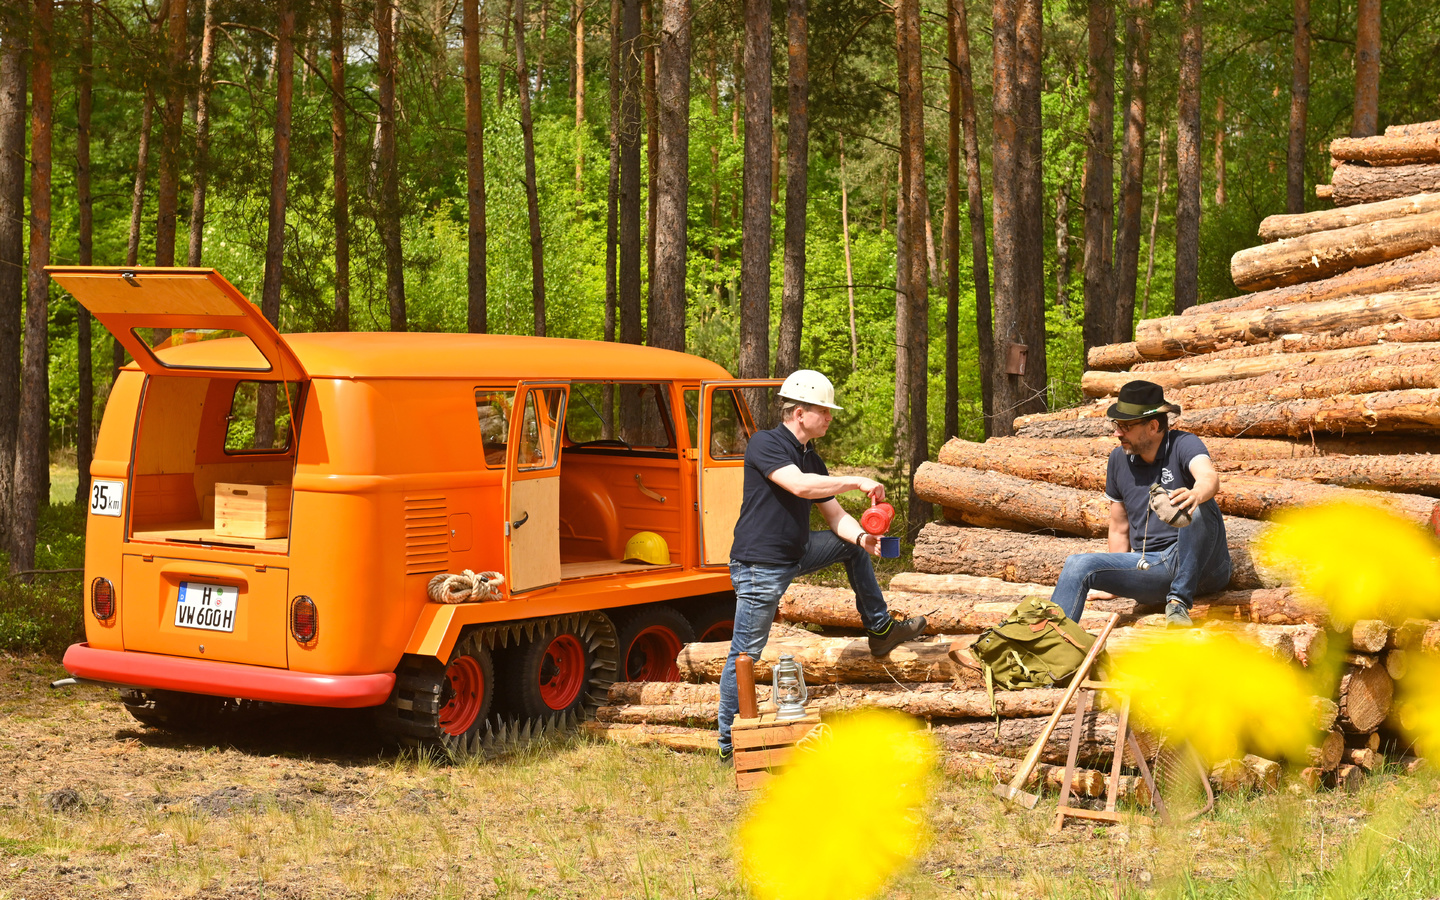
[
  {"x": 833, "y": 661},
  {"x": 1274, "y": 228},
  {"x": 629, "y": 198},
  {"x": 1220, "y": 150},
  {"x": 1189, "y": 335},
  {"x": 1100, "y": 294},
  {"x": 1316, "y": 256},
  {"x": 1014, "y": 738},
  {"x": 667, "y": 328},
  {"x": 1239, "y": 453},
  {"x": 387, "y": 17},
  {"x": 1031, "y": 504},
  {"x": 980, "y": 264},
  {"x": 1164, "y": 164},
  {"x": 912, "y": 152},
  {"x": 1367, "y": 69},
  {"x": 1388, "y": 411},
  {"x": 476, "y": 276},
  {"x": 503, "y": 67},
  {"x": 85, "y": 405},
  {"x": 578, "y": 88},
  {"x": 947, "y": 614},
  {"x": 275, "y": 230},
  {"x": 1038, "y": 558},
  {"x": 1004, "y": 176},
  {"x": 921, "y": 704},
  {"x": 951, "y": 220},
  {"x": 900, "y": 404},
  {"x": 32, "y": 466},
  {"x": 1030, "y": 390},
  {"x": 1187, "y": 155},
  {"x": 1132, "y": 166},
  {"x": 196, "y": 249},
  {"x": 797, "y": 174},
  {"x": 652, "y": 155},
  {"x": 1353, "y": 184},
  {"x": 540, "y": 47},
  {"x": 1114, "y": 357},
  {"x": 1389, "y": 150},
  {"x": 167, "y": 197},
  {"x": 1366, "y": 693},
  {"x": 681, "y": 693},
  {"x": 849, "y": 265},
  {"x": 1062, "y": 245},
  {"x": 612, "y": 209},
  {"x": 532, "y": 199},
  {"x": 754, "y": 361},
  {"x": 13, "y": 47},
  {"x": 1299, "y": 110}
]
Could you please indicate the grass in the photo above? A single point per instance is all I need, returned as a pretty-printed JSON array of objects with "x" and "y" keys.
[{"x": 43, "y": 613}]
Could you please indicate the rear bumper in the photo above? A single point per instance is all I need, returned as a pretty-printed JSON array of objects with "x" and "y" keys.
[{"x": 222, "y": 679}]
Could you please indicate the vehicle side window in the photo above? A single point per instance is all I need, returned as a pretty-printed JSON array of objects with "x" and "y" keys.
[
  {"x": 729, "y": 433},
  {"x": 692, "y": 415},
  {"x": 636, "y": 414},
  {"x": 540, "y": 429},
  {"x": 259, "y": 417},
  {"x": 492, "y": 408}
]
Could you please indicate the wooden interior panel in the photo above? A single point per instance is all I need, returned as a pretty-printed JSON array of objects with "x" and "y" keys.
[
  {"x": 170, "y": 425},
  {"x": 721, "y": 489},
  {"x": 535, "y": 545},
  {"x": 594, "y": 567},
  {"x": 601, "y": 504},
  {"x": 163, "y": 500}
]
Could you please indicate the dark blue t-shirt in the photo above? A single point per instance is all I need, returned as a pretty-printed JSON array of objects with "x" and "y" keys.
[
  {"x": 1128, "y": 479},
  {"x": 774, "y": 524}
]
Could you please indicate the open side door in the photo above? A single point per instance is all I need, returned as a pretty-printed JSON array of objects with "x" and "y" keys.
[
  {"x": 532, "y": 484},
  {"x": 726, "y": 425},
  {"x": 189, "y": 310}
]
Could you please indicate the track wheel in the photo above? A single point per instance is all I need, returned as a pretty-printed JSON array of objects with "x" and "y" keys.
[
  {"x": 548, "y": 676},
  {"x": 650, "y": 638},
  {"x": 714, "y": 620},
  {"x": 442, "y": 706},
  {"x": 176, "y": 710}
]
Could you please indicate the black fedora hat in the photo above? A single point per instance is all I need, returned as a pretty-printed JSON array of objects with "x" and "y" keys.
[{"x": 1140, "y": 400}]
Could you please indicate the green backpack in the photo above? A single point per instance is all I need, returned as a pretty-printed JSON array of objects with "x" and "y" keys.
[{"x": 1036, "y": 646}]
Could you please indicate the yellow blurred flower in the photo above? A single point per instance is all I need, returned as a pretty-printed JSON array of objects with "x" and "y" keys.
[
  {"x": 846, "y": 814},
  {"x": 1418, "y": 703},
  {"x": 1360, "y": 561},
  {"x": 1225, "y": 697}
]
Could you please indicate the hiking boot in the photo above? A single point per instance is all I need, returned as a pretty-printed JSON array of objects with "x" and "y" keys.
[
  {"x": 1176, "y": 615},
  {"x": 896, "y": 634}
]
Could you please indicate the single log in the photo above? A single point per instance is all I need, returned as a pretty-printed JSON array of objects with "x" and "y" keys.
[
  {"x": 1360, "y": 660},
  {"x": 1406, "y": 331},
  {"x": 1233, "y": 451},
  {"x": 1429, "y": 642},
  {"x": 1016, "y": 557},
  {"x": 1113, "y": 357},
  {"x": 1326, "y": 711},
  {"x": 1408, "y": 635},
  {"x": 1386, "y": 411},
  {"x": 1363, "y": 184},
  {"x": 924, "y": 583},
  {"x": 687, "y": 740},
  {"x": 1033, "y": 490},
  {"x": 696, "y": 715},
  {"x": 1326, "y": 754},
  {"x": 1231, "y": 776},
  {"x": 1325, "y": 192},
  {"x": 1079, "y": 428},
  {"x": 1017, "y": 736},
  {"x": 1311, "y": 778},
  {"x": 1388, "y": 149},
  {"x": 1309, "y": 642},
  {"x": 1415, "y": 270},
  {"x": 922, "y": 704},
  {"x": 1409, "y": 474},
  {"x": 1274, "y": 228},
  {"x": 672, "y": 693},
  {"x": 1226, "y": 366},
  {"x": 1365, "y": 697},
  {"x": 1397, "y": 663},
  {"x": 1364, "y": 758},
  {"x": 1367, "y": 636},
  {"x": 1000, "y": 769},
  {"x": 1369, "y": 741},
  {"x": 1267, "y": 772},
  {"x": 1412, "y": 128},
  {"x": 1349, "y": 778},
  {"x": 1412, "y": 764},
  {"x": 1187, "y": 335},
  {"x": 834, "y": 660},
  {"x": 1312, "y": 257},
  {"x": 945, "y": 614}
]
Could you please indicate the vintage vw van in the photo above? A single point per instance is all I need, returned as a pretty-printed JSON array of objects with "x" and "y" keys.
[{"x": 267, "y": 511}]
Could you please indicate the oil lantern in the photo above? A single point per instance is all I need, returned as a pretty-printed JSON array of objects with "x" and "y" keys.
[{"x": 789, "y": 691}]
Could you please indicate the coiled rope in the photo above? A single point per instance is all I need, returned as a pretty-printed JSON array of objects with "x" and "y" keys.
[{"x": 467, "y": 587}]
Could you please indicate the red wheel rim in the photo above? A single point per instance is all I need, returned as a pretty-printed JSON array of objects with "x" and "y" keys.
[
  {"x": 652, "y": 655},
  {"x": 723, "y": 630},
  {"x": 467, "y": 693},
  {"x": 562, "y": 672}
]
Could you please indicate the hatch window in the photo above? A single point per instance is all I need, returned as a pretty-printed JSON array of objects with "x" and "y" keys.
[{"x": 172, "y": 349}]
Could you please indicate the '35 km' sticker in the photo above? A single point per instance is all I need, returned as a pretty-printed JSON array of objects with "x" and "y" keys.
[{"x": 107, "y": 498}]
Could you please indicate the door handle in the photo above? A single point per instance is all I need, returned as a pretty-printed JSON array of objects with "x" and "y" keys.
[
  {"x": 646, "y": 491},
  {"x": 521, "y": 521}
]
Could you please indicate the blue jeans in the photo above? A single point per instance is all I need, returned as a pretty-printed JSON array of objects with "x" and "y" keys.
[
  {"x": 1197, "y": 563},
  {"x": 757, "y": 597}
]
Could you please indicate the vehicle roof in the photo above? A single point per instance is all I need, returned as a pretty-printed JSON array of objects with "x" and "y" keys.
[{"x": 500, "y": 357}]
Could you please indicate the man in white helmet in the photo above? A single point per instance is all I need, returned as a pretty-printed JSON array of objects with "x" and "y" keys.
[{"x": 773, "y": 544}]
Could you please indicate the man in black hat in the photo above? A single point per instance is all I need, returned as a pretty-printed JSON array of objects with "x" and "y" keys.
[{"x": 1167, "y": 537}]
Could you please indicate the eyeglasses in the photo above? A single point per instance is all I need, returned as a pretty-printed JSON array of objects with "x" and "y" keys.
[{"x": 1126, "y": 427}]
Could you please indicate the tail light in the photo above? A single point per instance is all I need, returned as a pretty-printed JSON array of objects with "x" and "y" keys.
[
  {"x": 102, "y": 599},
  {"x": 304, "y": 620}
]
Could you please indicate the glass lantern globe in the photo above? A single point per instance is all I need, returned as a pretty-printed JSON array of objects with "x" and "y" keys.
[{"x": 789, "y": 691}]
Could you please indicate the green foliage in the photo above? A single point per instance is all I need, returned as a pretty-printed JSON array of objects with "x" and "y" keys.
[{"x": 43, "y": 613}]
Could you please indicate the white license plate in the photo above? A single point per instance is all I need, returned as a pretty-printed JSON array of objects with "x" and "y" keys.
[{"x": 208, "y": 606}]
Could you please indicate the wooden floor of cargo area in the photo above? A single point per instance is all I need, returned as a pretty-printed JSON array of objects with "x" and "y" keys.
[
  {"x": 591, "y": 568},
  {"x": 200, "y": 533}
]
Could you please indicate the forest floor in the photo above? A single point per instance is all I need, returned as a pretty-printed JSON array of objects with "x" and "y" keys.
[{"x": 310, "y": 804}]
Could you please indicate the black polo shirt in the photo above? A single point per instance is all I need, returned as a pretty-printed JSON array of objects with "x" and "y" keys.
[
  {"x": 1128, "y": 478},
  {"x": 774, "y": 524}
]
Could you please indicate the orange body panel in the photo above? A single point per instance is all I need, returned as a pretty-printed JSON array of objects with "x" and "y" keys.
[{"x": 389, "y": 487}]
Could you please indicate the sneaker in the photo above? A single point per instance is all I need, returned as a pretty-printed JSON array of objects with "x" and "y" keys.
[
  {"x": 727, "y": 759},
  {"x": 898, "y": 633},
  {"x": 1176, "y": 615}
]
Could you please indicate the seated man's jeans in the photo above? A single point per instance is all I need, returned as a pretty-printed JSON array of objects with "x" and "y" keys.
[
  {"x": 757, "y": 596},
  {"x": 1197, "y": 563}
]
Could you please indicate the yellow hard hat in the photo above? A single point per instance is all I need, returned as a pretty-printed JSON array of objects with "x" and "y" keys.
[{"x": 647, "y": 547}]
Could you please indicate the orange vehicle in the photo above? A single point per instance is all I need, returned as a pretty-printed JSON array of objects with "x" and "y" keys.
[{"x": 267, "y": 513}]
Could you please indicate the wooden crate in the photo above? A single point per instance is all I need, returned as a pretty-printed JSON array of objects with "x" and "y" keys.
[
  {"x": 762, "y": 743},
  {"x": 256, "y": 511}
]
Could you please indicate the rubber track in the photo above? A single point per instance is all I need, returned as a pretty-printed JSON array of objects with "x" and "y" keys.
[{"x": 412, "y": 714}]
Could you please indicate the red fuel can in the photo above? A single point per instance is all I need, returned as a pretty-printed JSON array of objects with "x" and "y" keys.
[{"x": 877, "y": 518}]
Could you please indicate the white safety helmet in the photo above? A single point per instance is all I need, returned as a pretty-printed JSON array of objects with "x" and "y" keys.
[{"x": 809, "y": 386}]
